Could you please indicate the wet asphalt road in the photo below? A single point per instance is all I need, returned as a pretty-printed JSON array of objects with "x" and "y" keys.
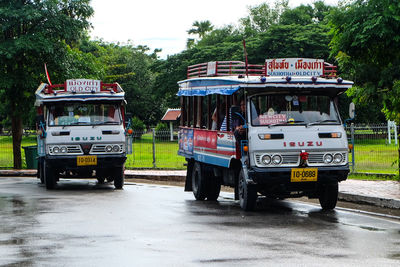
[{"x": 84, "y": 224}]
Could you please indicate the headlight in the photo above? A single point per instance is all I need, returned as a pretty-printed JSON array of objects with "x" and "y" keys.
[
  {"x": 337, "y": 158},
  {"x": 328, "y": 158},
  {"x": 116, "y": 148},
  {"x": 63, "y": 149},
  {"x": 276, "y": 159},
  {"x": 108, "y": 148},
  {"x": 56, "y": 149},
  {"x": 266, "y": 159}
]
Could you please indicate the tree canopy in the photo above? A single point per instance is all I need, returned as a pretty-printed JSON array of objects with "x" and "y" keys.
[
  {"x": 366, "y": 43},
  {"x": 33, "y": 33}
]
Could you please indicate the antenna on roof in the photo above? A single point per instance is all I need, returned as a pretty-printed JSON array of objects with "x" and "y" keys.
[{"x": 245, "y": 56}]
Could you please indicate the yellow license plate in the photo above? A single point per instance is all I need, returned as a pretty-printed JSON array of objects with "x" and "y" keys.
[
  {"x": 304, "y": 175},
  {"x": 86, "y": 160}
]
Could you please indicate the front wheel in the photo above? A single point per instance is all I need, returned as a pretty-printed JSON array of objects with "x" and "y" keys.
[
  {"x": 328, "y": 196},
  {"x": 247, "y": 194},
  {"x": 49, "y": 176},
  {"x": 119, "y": 177}
]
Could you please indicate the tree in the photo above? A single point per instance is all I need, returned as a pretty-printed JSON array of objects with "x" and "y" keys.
[
  {"x": 34, "y": 32},
  {"x": 366, "y": 43},
  {"x": 201, "y": 28},
  {"x": 261, "y": 17}
]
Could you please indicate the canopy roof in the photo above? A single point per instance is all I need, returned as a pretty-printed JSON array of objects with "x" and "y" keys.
[
  {"x": 229, "y": 85},
  {"x": 47, "y": 94}
]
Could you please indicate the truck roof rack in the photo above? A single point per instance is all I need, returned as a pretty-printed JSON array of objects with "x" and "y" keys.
[{"x": 238, "y": 68}]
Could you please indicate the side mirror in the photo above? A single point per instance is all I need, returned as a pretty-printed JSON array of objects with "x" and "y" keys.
[{"x": 352, "y": 110}]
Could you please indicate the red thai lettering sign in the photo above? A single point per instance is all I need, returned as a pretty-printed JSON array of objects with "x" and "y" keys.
[
  {"x": 295, "y": 67},
  {"x": 83, "y": 85},
  {"x": 207, "y": 139}
]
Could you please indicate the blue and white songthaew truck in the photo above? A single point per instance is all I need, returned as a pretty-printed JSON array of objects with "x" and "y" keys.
[
  {"x": 272, "y": 129},
  {"x": 82, "y": 131}
]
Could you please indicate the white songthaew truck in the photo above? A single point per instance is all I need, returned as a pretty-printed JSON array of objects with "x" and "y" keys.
[
  {"x": 272, "y": 129},
  {"x": 82, "y": 131}
]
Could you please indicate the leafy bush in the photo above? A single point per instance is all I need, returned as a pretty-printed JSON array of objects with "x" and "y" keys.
[{"x": 138, "y": 127}]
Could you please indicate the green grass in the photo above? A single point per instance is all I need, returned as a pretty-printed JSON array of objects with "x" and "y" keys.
[
  {"x": 6, "y": 150},
  {"x": 373, "y": 177},
  {"x": 166, "y": 153},
  {"x": 375, "y": 156}
]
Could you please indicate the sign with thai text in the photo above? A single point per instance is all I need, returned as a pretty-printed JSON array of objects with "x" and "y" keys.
[
  {"x": 206, "y": 139},
  {"x": 272, "y": 119},
  {"x": 295, "y": 67},
  {"x": 83, "y": 85}
]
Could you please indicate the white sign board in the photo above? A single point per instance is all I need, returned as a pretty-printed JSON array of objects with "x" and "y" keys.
[
  {"x": 295, "y": 67},
  {"x": 83, "y": 85},
  {"x": 211, "y": 68}
]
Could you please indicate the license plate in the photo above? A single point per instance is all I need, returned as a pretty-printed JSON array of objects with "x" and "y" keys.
[
  {"x": 86, "y": 160},
  {"x": 304, "y": 175}
]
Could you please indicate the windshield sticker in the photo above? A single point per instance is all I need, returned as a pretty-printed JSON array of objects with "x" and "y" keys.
[{"x": 272, "y": 119}]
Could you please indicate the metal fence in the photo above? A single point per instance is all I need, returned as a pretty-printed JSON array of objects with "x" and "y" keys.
[
  {"x": 151, "y": 149},
  {"x": 375, "y": 151},
  {"x": 376, "y": 148}
]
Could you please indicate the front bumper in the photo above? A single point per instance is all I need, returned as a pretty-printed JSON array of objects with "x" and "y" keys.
[
  {"x": 276, "y": 181},
  {"x": 282, "y": 175},
  {"x": 69, "y": 163}
]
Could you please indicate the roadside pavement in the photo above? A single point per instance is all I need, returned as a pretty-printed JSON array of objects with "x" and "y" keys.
[{"x": 379, "y": 193}]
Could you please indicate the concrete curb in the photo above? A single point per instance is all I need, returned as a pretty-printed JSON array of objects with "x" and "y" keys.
[
  {"x": 159, "y": 177},
  {"x": 376, "y": 201},
  {"x": 170, "y": 176}
]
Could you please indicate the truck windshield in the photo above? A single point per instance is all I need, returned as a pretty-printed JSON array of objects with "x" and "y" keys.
[
  {"x": 83, "y": 114},
  {"x": 289, "y": 110}
]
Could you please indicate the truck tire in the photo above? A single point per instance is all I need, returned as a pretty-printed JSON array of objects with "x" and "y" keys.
[
  {"x": 119, "y": 177},
  {"x": 328, "y": 196},
  {"x": 49, "y": 176},
  {"x": 247, "y": 194},
  {"x": 199, "y": 185},
  {"x": 213, "y": 184}
]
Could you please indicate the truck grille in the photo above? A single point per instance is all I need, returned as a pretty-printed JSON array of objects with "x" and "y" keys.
[
  {"x": 293, "y": 159},
  {"x": 101, "y": 149}
]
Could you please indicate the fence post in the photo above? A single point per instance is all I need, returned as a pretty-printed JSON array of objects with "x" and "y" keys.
[
  {"x": 154, "y": 148},
  {"x": 352, "y": 151}
]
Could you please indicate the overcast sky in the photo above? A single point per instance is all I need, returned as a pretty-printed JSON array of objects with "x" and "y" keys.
[{"x": 164, "y": 23}]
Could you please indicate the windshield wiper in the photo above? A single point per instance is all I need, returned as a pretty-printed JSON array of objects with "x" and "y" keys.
[
  {"x": 105, "y": 122},
  {"x": 321, "y": 122},
  {"x": 79, "y": 123},
  {"x": 288, "y": 123}
]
